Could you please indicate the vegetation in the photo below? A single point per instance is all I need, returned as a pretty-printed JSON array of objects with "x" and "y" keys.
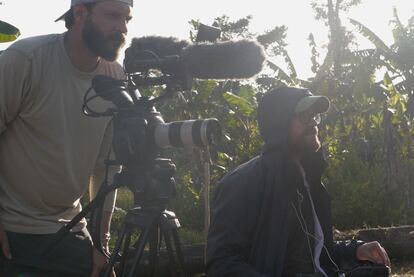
[{"x": 367, "y": 133}]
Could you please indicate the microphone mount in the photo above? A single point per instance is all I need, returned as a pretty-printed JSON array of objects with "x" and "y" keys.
[{"x": 148, "y": 69}]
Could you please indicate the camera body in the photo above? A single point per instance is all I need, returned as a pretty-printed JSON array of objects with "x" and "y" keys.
[{"x": 369, "y": 270}]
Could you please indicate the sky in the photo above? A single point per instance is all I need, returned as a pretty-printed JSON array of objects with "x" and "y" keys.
[{"x": 170, "y": 18}]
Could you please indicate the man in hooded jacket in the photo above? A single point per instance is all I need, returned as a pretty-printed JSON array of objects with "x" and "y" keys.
[{"x": 272, "y": 215}]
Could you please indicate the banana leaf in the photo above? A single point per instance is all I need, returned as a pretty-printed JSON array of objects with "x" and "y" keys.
[{"x": 8, "y": 32}]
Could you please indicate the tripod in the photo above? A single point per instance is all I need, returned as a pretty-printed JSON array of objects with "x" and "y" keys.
[
  {"x": 155, "y": 222},
  {"x": 156, "y": 225}
]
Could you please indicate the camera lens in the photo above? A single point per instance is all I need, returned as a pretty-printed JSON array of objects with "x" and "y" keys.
[{"x": 188, "y": 133}]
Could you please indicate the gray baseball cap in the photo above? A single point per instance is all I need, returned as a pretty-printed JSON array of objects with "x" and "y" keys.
[
  {"x": 321, "y": 104},
  {"x": 75, "y": 2}
]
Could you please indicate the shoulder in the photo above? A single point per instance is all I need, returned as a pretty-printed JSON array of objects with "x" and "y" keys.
[
  {"x": 247, "y": 173},
  {"x": 28, "y": 46},
  {"x": 240, "y": 190}
]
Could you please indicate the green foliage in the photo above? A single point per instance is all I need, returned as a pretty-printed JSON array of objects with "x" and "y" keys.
[
  {"x": 187, "y": 204},
  {"x": 239, "y": 104},
  {"x": 124, "y": 199},
  {"x": 315, "y": 54},
  {"x": 360, "y": 194},
  {"x": 8, "y": 32},
  {"x": 190, "y": 237},
  {"x": 379, "y": 44},
  {"x": 367, "y": 132},
  {"x": 275, "y": 37},
  {"x": 117, "y": 218}
]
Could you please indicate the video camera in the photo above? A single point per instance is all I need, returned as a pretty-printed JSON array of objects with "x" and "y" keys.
[
  {"x": 139, "y": 129},
  {"x": 140, "y": 132}
]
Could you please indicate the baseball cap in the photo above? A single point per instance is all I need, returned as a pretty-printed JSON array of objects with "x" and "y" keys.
[
  {"x": 75, "y": 2},
  {"x": 321, "y": 104}
]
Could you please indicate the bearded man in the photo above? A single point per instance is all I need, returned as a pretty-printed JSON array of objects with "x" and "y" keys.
[
  {"x": 272, "y": 215},
  {"x": 50, "y": 153}
]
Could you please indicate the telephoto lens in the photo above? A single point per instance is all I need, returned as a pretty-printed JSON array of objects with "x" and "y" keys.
[{"x": 188, "y": 133}]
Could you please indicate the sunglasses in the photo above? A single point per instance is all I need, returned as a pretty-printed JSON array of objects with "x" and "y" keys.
[{"x": 308, "y": 118}]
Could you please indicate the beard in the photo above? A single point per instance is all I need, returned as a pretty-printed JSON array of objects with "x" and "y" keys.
[
  {"x": 106, "y": 47},
  {"x": 307, "y": 143}
]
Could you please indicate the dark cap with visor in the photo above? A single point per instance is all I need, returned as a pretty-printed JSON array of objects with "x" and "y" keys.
[{"x": 320, "y": 104}]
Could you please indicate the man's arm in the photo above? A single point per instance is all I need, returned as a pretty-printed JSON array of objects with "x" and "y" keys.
[
  {"x": 15, "y": 84},
  {"x": 97, "y": 180},
  {"x": 350, "y": 253},
  {"x": 4, "y": 243},
  {"x": 228, "y": 243}
]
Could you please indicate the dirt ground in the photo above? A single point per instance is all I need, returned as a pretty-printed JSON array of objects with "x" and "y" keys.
[{"x": 403, "y": 269}]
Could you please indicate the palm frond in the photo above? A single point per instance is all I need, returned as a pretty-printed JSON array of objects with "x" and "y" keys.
[
  {"x": 371, "y": 36},
  {"x": 397, "y": 20},
  {"x": 291, "y": 66},
  {"x": 324, "y": 68},
  {"x": 280, "y": 73}
]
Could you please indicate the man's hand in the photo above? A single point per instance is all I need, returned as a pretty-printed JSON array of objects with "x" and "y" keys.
[
  {"x": 99, "y": 262},
  {"x": 374, "y": 252},
  {"x": 4, "y": 243}
]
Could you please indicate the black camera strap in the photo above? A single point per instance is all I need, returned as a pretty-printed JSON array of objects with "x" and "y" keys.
[{"x": 95, "y": 205}]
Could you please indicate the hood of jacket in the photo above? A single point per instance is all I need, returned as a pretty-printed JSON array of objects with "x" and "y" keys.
[{"x": 274, "y": 115}]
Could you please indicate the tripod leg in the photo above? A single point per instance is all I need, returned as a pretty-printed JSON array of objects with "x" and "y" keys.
[
  {"x": 169, "y": 228},
  {"x": 115, "y": 252},
  {"x": 139, "y": 249},
  {"x": 179, "y": 252},
  {"x": 153, "y": 251},
  {"x": 125, "y": 254},
  {"x": 170, "y": 251}
]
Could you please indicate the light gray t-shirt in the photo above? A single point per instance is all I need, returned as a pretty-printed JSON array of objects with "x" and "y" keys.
[{"x": 49, "y": 150}]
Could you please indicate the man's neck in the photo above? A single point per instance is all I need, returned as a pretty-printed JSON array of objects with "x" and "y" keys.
[
  {"x": 79, "y": 54},
  {"x": 296, "y": 157}
]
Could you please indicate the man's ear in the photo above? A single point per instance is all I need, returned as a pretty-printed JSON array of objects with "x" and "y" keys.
[{"x": 79, "y": 12}]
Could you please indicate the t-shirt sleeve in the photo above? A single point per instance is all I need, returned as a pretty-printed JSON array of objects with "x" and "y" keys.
[{"x": 15, "y": 84}]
